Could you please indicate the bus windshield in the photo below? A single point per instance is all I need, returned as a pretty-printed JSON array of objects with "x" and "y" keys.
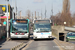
[
  {"x": 19, "y": 27},
  {"x": 42, "y": 27}
]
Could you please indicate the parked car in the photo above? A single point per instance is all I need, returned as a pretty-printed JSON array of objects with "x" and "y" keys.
[{"x": 70, "y": 36}]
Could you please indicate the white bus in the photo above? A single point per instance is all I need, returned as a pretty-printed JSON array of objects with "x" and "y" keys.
[{"x": 42, "y": 29}]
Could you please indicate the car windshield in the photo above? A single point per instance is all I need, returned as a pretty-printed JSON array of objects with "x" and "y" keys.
[
  {"x": 42, "y": 27},
  {"x": 71, "y": 34},
  {"x": 19, "y": 27}
]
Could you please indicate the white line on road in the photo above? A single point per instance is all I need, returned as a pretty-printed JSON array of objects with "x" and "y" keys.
[{"x": 28, "y": 44}]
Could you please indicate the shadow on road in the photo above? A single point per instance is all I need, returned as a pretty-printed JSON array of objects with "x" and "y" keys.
[
  {"x": 0, "y": 46},
  {"x": 2, "y": 41},
  {"x": 51, "y": 39},
  {"x": 19, "y": 39},
  {"x": 72, "y": 42}
]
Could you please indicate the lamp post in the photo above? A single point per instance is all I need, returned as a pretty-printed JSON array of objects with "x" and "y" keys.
[{"x": 7, "y": 20}]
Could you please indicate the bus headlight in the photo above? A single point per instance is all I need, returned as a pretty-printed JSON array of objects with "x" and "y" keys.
[
  {"x": 26, "y": 33},
  {"x": 67, "y": 37},
  {"x": 12, "y": 33}
]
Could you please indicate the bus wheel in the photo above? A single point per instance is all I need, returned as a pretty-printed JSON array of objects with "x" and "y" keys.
[
  {"x": 12, "y": 38},
  {"x": 35, "y": 40},
  {"x": 27, "y": 38}
]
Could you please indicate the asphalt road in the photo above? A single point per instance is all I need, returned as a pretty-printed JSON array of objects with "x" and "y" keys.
[
  {"x": 43, "y": 45},
  {"x": 72, "y": 42}
]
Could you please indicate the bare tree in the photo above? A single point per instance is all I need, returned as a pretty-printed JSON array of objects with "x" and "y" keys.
[
  {"x": 73, "y": 19},
  {"x": 65, "y": 16}
]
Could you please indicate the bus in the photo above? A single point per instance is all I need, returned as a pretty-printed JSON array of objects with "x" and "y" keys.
[
  {"x": 19, "y": 28},
  {"x": 42, "y": 29},
  {"x": 3, "y": 13}
]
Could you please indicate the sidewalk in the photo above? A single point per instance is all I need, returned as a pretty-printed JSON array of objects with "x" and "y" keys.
[
  {"x": 8, "y": 44},
  {"x": 65, "y": 45}
]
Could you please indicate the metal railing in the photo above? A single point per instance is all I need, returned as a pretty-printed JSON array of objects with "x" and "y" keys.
[{"x": 70, "y": 28}]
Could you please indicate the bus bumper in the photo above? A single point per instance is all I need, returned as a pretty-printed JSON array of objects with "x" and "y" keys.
[
  {"x": 47, "y": 37},
  {"x": 19, "y": 36}
]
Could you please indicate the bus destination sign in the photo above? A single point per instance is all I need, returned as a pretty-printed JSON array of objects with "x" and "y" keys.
[
  {"x": 41, "y": 21},
  {"x": 20, "y": 21}
]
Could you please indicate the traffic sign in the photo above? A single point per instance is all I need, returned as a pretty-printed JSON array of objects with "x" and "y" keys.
[{"x": 3, "y": 8}]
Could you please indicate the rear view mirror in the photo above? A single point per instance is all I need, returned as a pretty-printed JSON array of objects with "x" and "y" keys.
[{"x": 51, "y": 24}]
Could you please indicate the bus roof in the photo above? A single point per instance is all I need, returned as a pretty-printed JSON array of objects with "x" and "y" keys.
[
  {"x": 43, "y": 20},
  {"x": 20, "y": 19}
]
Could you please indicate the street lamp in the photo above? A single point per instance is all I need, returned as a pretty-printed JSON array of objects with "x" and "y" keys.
[
  {"x": 7, "y": 20},
  {"x": 64, "y": 23}
]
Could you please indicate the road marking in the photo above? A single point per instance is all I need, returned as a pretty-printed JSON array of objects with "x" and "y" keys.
[
  {"x": 17, "y": 46},
  {"x": 58, "y": 45},
  {"x": 27, "y": 45}
]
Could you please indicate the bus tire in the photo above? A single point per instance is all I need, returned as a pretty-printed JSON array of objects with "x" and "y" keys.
[{"x": 35, "y": 40}]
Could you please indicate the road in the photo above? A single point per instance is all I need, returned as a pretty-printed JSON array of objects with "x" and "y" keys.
[
  {"x": 42, "y": 45},
  {"x": 34, "y": 45},
  {"x": 72, "y": 42}
]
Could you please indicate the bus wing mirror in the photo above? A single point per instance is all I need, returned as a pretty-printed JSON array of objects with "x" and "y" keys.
[{"x": 51, "y": 24}]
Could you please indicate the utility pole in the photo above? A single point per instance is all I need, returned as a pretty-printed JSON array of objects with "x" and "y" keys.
[
  {"x": 35, "y": 14},
  {"x": 51, "y": 19},
  {"x": 41, "y": 14},
  {"x": 52, "y": 10},
  {"x": 16, "y": 7},
  {"x": 32, "y": 17},
  {"x": 20, "y": 15},
  {"x": 38, "y": 15},
  {"x": 45, "y": 12},
  {"x": 7, "y": 21}
]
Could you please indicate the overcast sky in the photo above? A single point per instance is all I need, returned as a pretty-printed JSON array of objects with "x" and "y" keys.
[{"x": 38, "y": 5}]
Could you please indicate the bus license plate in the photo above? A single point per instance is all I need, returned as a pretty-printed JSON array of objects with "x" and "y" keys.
[
  {"x": 19, "y": 37},
  {"x": 41, "y": 33},
  {"x": 44, "y": 33}
]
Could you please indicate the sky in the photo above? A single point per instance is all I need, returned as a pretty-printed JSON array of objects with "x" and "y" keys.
[{"x": 39, "y": 6}]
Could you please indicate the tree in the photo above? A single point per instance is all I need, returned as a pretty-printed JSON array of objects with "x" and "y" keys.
[{"x": 73, "y": 18}]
